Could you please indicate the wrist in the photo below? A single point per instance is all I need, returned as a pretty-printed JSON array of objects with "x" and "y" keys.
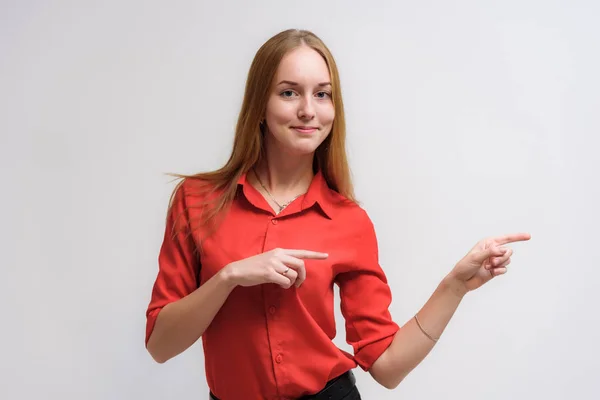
[
  {"x": 227, "y": 277},
  {"x": 454, "y": 286}
]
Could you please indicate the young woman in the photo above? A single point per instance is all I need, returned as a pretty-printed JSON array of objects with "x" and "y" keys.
[{"x": 251, "y": 251}]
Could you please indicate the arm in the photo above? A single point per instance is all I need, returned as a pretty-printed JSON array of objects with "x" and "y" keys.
[
  {"x": 410, "y": 344},
  {"x": 181, "y": 309},
  {"x": 181, "y": 323}
]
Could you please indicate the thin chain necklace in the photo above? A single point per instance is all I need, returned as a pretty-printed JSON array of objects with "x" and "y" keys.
[{"x": 281, "y": 206}]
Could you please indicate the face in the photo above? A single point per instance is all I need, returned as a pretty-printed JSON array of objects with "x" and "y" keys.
[{"x": 300, "y": 110}]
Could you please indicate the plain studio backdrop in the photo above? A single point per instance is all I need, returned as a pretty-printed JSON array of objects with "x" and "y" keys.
[{"x": 465, "y": 119}]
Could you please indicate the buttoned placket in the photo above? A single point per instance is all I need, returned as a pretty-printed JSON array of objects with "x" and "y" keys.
[{"x": 272, "y": 300}]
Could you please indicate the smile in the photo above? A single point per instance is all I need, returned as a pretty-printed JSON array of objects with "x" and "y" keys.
[{"x": 305, "y": 129}]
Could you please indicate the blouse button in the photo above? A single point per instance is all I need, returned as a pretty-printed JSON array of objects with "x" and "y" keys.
[
  {"x": 274, "y": 221},
  {"x": 278, "y": 359},
  {"x": 272, "y": 310}
]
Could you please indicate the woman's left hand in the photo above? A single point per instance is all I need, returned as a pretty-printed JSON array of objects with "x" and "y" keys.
[{"x": 488, "y": 259}]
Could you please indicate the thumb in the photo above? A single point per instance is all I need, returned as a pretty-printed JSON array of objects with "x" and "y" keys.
[{"x": 483, "y": 255}]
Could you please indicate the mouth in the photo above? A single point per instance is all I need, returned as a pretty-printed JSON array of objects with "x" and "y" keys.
[{"x": 305, "y": 129}]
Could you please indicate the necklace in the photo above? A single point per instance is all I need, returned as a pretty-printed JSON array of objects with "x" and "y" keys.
[{"x": 281, "y": 206}]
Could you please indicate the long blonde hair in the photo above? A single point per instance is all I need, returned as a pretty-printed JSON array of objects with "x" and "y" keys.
[{"x": 330, "y": 156}]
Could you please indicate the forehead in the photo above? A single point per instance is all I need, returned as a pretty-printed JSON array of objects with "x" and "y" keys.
[{"x": 302, "y": 65}]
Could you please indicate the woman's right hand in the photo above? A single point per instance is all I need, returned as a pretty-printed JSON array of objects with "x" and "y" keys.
[{"x": 284, "y": 267}]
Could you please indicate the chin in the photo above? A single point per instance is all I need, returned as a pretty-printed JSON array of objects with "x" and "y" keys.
[
  {"x": 297, "y": 145},
  {"x": 304, "y": 146},
  {"x": 302, "y": 150}
]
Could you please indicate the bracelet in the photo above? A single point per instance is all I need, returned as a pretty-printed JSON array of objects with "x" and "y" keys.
[{"x": 423, "y": 330}]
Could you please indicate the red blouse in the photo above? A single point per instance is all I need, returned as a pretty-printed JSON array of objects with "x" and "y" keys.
[{"x": 268, "y": 342}]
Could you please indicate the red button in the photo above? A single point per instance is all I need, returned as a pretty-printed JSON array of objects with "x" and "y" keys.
[
  {"x": 272, "y": 310},
  {"x": 278, "y": 359},
  {"x": 274, "y": 221}
]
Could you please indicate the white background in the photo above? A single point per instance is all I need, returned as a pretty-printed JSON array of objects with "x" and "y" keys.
[{"x": 465, "y": 119}]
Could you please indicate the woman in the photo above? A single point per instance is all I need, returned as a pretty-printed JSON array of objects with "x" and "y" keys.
[{"x": 251, "y": 251}]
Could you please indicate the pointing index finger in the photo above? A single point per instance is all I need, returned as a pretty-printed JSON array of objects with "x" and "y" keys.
[
  {"x": 513, "y": 237},
  {"x": 307, "y": 254}
]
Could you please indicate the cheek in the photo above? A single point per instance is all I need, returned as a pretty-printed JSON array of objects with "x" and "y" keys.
[
  {"x": 327, "y": 114},
  {"x": 280, "y": 112}
]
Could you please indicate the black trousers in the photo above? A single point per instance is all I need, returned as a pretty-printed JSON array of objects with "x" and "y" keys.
[{"x": 341, "y": 388}]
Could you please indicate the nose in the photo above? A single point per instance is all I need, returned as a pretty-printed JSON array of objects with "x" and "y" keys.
[{"x": 306, "y": 110}]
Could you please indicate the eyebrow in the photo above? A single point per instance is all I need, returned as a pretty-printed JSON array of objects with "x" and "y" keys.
[{"x": 296, "y": 83}]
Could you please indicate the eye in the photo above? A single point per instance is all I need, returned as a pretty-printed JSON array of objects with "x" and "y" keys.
[
  {"x": 287, "y": 94},
  {"x": 323, "y": 95}
]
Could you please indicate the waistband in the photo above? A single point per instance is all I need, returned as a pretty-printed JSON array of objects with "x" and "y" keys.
[{"x": 335, "y": 389}]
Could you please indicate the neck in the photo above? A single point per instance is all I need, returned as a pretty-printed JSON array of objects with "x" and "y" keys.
[{"x": 285, "y": 175}]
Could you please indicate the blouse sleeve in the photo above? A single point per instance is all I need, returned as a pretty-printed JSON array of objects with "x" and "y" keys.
[
  {"x": 365, "y": 299},
  {"x": 178, "y": 261}
]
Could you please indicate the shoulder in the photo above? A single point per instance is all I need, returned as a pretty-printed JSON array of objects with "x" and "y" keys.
[
  {"x": 187, "y": 197},
  {"x": 198, "y": 202},
  {"x": 356, "y": 227},
  {"x": 350, "y": 213},
  {"x": 191, "y": 189}
]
